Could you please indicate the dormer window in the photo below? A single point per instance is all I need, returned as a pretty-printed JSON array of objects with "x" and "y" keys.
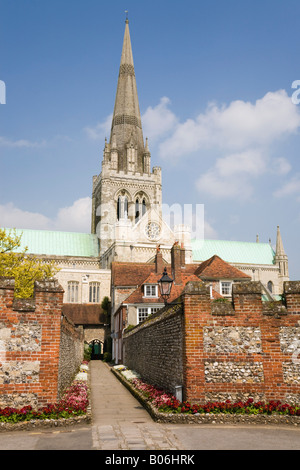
[{"x": 150, "y": 290}]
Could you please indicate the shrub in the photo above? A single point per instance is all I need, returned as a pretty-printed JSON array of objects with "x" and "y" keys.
[{"x": 107, "y": 357}]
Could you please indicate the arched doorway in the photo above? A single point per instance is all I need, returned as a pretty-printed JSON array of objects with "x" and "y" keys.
[{"x": 96, "y": 347}]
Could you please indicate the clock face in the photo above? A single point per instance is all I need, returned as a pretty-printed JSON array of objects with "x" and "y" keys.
[{"x": 152, "y": 231}]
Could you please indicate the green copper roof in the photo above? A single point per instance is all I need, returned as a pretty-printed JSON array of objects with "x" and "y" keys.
[
  {"x": 233, "y": 252},
  {"x": 44, "y": 242}
]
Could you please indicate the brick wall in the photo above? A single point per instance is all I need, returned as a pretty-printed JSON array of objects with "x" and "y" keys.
[
  {"x": 247, "y": 348},
  {"x": 36, "y": 360}
]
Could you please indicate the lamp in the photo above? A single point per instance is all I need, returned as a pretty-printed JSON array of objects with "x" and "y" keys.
[{"x": 165, "y": 285}]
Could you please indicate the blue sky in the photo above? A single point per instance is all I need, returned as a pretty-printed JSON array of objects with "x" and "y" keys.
[{"x": 215, "y": 89}]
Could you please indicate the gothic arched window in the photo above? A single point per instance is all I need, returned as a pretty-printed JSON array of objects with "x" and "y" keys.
[
  {"x": 122, "y": 207},
  {"x": 137, "y": 210},
  {"x": 270, "y": 286},
  {"x": 140, "y": 207},
  {"x": 144, "y": 208},
  {"x": 119, "y": 208}
]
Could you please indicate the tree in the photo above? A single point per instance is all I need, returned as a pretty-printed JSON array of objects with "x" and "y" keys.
[
  {"x": 106, "y": 306},
  {"x": 24, "y": 268}
]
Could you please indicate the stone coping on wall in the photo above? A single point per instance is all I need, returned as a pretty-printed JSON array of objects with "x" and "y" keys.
[{"x": 207, "y": 418}]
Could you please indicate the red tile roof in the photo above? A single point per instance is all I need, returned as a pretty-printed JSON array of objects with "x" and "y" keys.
[
  {"x": 130, "y": 274},
  {"x": 138, "y": 295},
  {"x": 216, "y": 268},
  {"x": 85, "y": 314}
]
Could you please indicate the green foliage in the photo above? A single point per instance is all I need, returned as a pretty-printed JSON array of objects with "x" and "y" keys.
[
  {"x": 23, "y": 268},
  {"x": 87, "y": 353},
  {"x": 129, "y": 328},
  {"x": 108, "y": 344},
  {"x": 106, "y": 307},
  {"x": 107, "y": 357},
  {"x": 105, "y": 304}
]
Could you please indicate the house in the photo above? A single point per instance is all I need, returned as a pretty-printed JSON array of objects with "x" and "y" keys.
[
  {"x": 220, "y": 275},
  {"x": 136, "y": 294}
]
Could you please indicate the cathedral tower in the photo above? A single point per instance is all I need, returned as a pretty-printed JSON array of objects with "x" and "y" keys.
[{"x": 126, "y": 188}]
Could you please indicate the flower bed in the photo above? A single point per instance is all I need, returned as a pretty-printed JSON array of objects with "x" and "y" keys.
[
  {"x": 167, "y": 403},
  {"x": 74, "y": 402}
]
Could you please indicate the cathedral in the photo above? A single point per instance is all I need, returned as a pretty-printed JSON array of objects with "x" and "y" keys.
[{"x": 127, "y": 224}]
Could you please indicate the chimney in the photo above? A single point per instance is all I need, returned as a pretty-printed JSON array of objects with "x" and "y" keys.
[
  {"x": 159, "y": 265},
  {"x": 176, "y": 263},
  {"x": 182, "y": 255}
]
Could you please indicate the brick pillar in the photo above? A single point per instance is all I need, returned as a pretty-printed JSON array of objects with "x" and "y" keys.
[
  {"x": 197, "y": 308},
  {"x": 48, "y": 305},
  {"x": 36, "y": 361},
  {"x": 292, "y": 296},
  {"x": 246, "y": 297}
]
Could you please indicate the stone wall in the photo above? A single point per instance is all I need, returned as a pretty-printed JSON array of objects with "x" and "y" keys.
[
  {"x": 227, "y": 350},
  {"x": 70, "y": 353},
  {"x": 39, "y": 348}
]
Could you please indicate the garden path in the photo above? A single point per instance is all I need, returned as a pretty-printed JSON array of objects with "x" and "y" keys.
[{"x": 119, "y": 421}]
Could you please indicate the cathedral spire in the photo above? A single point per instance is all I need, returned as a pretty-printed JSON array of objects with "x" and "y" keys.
[
  {"x": 126, "y": 123},
  {"x": 279, "y": 245},
  {"x": 281, "y": 258}
]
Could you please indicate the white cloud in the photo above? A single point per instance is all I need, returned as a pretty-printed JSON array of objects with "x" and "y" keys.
[
  {"x": 231, "y": 175},
  {"x": 75, "y": 218},
  {"x": 290, "y": 188},
  {"x": 158, "y": 121},
  {"x": 235, "y": 127},
  {"x": 281, "y": 166},
  {"x": 241, "y": 134},
  {"x": 100, "y": 130},
  {"x": 13, "y": 217},
  {"x": 21, "y": 143}
]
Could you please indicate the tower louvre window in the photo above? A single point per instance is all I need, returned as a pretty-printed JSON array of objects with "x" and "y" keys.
[
  {"x": 137, "y": 211},
  {"x": 122, "y": 207},
  {"x": 144, "y": 208}
]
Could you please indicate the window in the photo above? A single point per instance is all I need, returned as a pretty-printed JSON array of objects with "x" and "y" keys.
[
  {"x": 140, "y": 207},
  {"x": 137, "y": 211},
  {"x": 94, "y": 295},
  {"x": 270, "y": 286},
  {"x": 226, "y": 288},
  {"x": 119, "y": 208},
  {"x": 72, "y": 291},
  {"x": 144, "y": 208},
  {"x": 150, "y": 290},
  {"x": 122, "y": 207},
  {"x": 144, "y": 312}
]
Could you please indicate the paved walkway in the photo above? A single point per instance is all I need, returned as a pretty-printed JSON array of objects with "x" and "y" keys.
[{"x": 119, "y": 421}]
